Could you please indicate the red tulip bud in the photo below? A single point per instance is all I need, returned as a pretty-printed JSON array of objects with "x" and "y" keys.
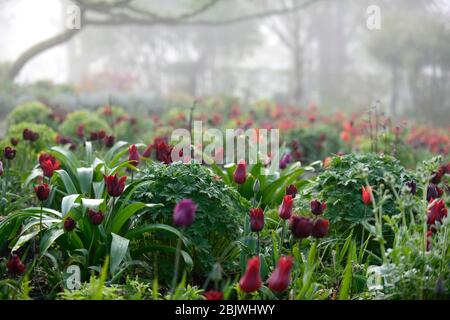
[
  {"x": 42, "y": 191},
  {"x": 251, "y": 280},
  {"x": 301, "y": 227},
  {"x": 285, "y": 210},
  {"x": 291, "y": 190},
  {"x": 213, "y": 295},
  {"x": 320, "y": 228},
  {"x": 9, "y": 153},
  {"x": 256, "y": 219},
  {"x": 318, "y": 207},
  {"x": 133, "y": 156},
  {"x": 240, "y": 174},
  {"x": 14, "y": 265},
  {"x": 69, "y": 224},
  {"x": 96, "y": 217},
  {"x": 367, "y": 194},
  {"x": 114, "y": 185},
  {"x": 281, "y": 277}
]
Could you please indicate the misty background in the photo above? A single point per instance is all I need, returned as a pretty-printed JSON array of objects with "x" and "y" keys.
[{"x": 294, "y": 52}]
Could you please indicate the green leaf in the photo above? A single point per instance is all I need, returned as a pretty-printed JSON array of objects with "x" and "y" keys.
[
  {"x": 126, "y": 213},
  {"x": 85, "y": 177},
  {"x": 155, "y": 227},
  {"x": 48, "y": 238},
  {"x": 67, "y": 181},
  {"x": 69, "y": 202},
  {"x": 119, "y": 247}
]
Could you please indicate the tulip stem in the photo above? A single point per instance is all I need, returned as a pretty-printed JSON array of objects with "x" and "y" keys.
[
  {"x": 283, "y": 232},
  {"x": 40, "y": 218},
  {"x": 177, "y": 265},
  {"x": 257, "y": 244}
]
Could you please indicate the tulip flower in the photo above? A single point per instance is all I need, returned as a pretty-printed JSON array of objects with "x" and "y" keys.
[
  {"x": 318, "y": 207},
  {"x": 9, "y": 153},
  {"x": 14, "y": 265},
  {"x": 48, "y": 164},
  {"x": 437, "y": 176},
  {"x": 69, "y": 224},
  {"x": 367, "y": 194},
  {"x": 436, "y": 212},
  {"x": 256, "y": 219},
  {"x": 133, "y": 155},
  {"x": 14, "y": 141},
  {"x": 291, "y": 190},
  {"x": 432, "y": 192},
  {"x": 251, "y": 280},
  {"x": 285, "y": 160},
  {"x": 184, "y": 213},
  {"x": 96, "y": 217},
  {"x": 301, "y": 227},
  {"x": 109, "y": 141},
  {"x": 280, "y": 279},
  {"x": 114, "y": 185},
  {"x": 163, "y": 152},
  {"x": 42, "y": 191},
  {"x": 80, "y": 131},
  {"x": 240, "y": 175},
  {"x": 320, "y": 228},
  {"x": 30, "y": 135},
  {"x": 148, "y": 151},
  {"x": 285, "y": 210},
  {"x": 213, "y": 295}
]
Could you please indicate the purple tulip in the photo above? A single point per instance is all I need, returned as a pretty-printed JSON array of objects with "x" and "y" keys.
[{"x": 184, "y": 213}]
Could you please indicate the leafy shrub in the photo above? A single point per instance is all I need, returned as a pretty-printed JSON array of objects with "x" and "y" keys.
[
  {"x": 46, "y": 137},
  {"x": 90, "y": 120},
  {"x": 316, "y": 143},
  {"x": 220, "y": 214},
  {"x": 35, "y": 112},
  {"x": 340, "y": 186}
]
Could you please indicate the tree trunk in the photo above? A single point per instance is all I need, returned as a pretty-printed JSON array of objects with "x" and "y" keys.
[{"x": 38, "y": 49}]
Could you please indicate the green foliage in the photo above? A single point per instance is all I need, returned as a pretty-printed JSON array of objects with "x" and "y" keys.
[
  {"x": 90, "y": 120},
  {"x": 220, "y": 214},
  {"x": 317, "y": 142},
  {"x": 33, "y": 112},
  {"x": 340, "y": 186}
]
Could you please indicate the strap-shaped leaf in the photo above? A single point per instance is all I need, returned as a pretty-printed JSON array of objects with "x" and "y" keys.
[{"x": 119, "y": 248}]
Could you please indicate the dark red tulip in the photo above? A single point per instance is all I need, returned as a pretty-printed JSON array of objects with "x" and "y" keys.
[
  {"x": 432, "y": 192},
  {"x": 109, "y": 141},
  {"x": 133, "y": 155},
  {"x": 114, "y": 185},
  {"x": 213, "y": 295},
  {"x": 69, "y": 224},
  {"x": 63, "y": 139},
  {"x": 148, "y": 151},
  {"x": 437, "y": 176},
  {"x": 42, "y": 191},
  {"x": 184, "y": 213},
  {"x": 14, "y": 141},
  {"x": 251, "y": 280},
  {"x": 285, "y": 210},
  {"x": 318, "y": 207},
  {"x": 30, "y": 135},
  {"x": 301, "y": 227},
  {"x": 436, "y": 212},
  {"x": 80, "y": 131},
  {"x": 9, "y": 153},
  {"x": 96, "y": 217},
  {"x": 240, "y": 174},
  {"x": 48, "y": 164},
  {"x": 256, "y": 219},
  {"x": 101, "y": 134},
  {"x": 320, "y": 228},
  {"x": 367, "y": 194},
  {"x": 280, "y": 279},
  {"x": 93, "y": 136},
  {"x": 291, "y": 190},
  {"x": 285, "y": 160},
  {"x": 163, "y": 152},
  {"x": 14, "y": 265}
]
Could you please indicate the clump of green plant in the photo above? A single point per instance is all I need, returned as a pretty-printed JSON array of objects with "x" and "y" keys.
[
  {"x": 340, "y": 185},
  {"x": 416, "y": 265},
  {"x": 219, "y": 217},
  {"x": 315, "y": 143},
  {"x": 34, "y": 111},
  {"x": 90, "y": 120}
]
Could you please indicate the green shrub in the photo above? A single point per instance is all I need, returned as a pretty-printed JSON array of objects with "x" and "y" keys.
[
  {"x": 34, "y": 112},
  {"x": 91, "y": 121},
  {"x": 46, "y": 137},
  {"x": 340, "y": 186},
  {"x": 316, "y": 143},
  {"x": 220, "y": 214}
]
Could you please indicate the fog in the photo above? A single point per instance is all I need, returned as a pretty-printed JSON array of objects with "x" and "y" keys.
[{"x": 335, "y": 54}]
